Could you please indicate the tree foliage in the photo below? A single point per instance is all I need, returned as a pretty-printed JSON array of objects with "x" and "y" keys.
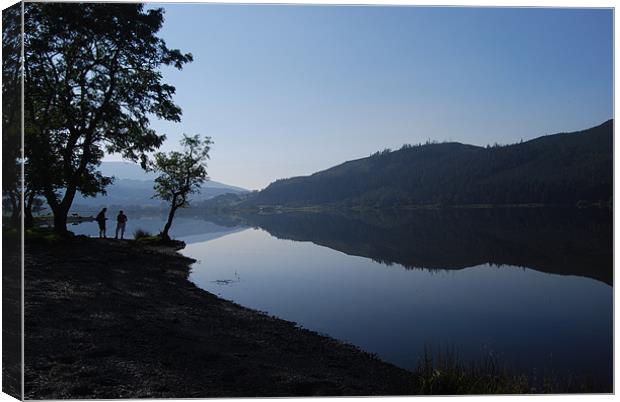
[
  {"x": 181, "y": 173},
  {"x": 11, "y": 109},
  {"x": 92, "y": 82}
]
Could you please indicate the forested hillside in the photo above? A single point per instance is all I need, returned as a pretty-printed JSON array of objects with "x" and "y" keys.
[{"x": 563, "y": 168}]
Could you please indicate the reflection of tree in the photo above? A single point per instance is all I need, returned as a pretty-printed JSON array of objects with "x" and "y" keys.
[{"x": 561, "y": 241}]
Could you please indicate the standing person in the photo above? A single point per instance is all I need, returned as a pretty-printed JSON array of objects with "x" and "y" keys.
[
  {"x": 101, "y": 221},
  {"x": 121, "y": 219}
]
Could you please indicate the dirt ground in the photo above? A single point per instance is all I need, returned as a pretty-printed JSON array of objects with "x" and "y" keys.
[{"x": 112, "y": 319}]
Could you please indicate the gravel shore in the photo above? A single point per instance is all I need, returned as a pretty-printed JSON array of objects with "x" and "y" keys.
[{"x": 114, "y": 319}]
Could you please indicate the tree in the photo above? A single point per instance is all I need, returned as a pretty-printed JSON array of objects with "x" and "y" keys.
[
  {"x": 32, "y": 204},
  {"x": 181, "y": 174},
  {"x": 11, "y": 111},
  {"x": 92, "y": 82}
]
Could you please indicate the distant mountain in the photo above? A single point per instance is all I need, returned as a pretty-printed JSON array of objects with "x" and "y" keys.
[
  {"x": 133, "y": 171},
  {"x": 125, "y": 170},
  {"x": 134, "y": 187},
  {"x": 563, "y": 168}
]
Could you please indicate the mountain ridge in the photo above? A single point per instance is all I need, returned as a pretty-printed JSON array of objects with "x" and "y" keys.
[
  {"x": 562, "y": 168},
  {"x": 132, "y": 171},
  {"x": 134, "y": 187}
]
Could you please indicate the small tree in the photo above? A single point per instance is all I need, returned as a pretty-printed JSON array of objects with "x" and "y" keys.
[{"x": 181, "y": 174}]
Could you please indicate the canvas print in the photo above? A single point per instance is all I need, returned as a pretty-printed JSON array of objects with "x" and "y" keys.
[{"x": 269, "y": 200}]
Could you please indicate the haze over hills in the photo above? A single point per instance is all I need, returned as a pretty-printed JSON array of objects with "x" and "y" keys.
[
  {"x": 562, "y": 169},
  {"x": 134, "y": 187},
  {"x": 133, "y": 171}
]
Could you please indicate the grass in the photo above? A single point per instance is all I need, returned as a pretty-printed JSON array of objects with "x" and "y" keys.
[
  {"x": 446, "y": 374},
  {"x": 148, "y": 239},
  {"x": 142, "y": 234},
  {"x": 44, "y": 235}
]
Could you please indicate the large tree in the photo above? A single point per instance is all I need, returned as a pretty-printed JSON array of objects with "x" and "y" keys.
[
  {"x": 92, "y": 82},
  {"x": 11, "y": 111},
  {"x": 181, "y": 174}
]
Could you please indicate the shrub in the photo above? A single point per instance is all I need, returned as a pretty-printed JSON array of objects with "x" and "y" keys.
[{"x": 141, "y": 234}]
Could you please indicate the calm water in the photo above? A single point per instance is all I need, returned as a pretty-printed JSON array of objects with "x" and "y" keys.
[
  {"x": 188, "y": 229},
  {"x": 530, "y": 287}
]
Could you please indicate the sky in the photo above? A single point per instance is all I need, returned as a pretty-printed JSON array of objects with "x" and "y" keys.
[{"x": 288, "y": 90}]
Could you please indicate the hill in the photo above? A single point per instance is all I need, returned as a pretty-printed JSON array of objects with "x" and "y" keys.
[
  {"x": 562, "y": 168},
  {"x": 134, "y": 187}
]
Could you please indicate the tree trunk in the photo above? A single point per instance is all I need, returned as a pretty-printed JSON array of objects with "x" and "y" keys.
[
  {"x": 14, "y": 222},
  {"x": 61, "y": 209},
  {"x": 164, "y": 233},
  {"x": 28, "y": 219},
  {"x": 60, "y": 220}
]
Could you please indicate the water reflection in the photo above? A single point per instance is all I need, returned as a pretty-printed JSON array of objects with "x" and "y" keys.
[
  {"x": 327, "y": 271},
  {"x": 189, "y": 228},
  {"x": 560, "y": 241},
  {"x": 451, "y": 294}
]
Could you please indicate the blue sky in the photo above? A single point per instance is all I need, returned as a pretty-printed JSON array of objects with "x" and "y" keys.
[{"x": 290, "y": 90}]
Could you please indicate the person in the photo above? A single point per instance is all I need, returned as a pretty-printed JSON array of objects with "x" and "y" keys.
[
  {"x": 121, "y": 219},
  {"x": 101, "y": 221}
]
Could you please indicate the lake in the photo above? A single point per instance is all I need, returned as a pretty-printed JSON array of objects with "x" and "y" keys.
[{"x": 531, "y": 288}]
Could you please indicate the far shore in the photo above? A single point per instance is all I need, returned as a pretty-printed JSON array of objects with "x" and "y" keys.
[{"x": 404, "y": 207}]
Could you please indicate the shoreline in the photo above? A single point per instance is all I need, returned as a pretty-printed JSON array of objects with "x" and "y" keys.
[
  {"x": 109, "y": 319},
  {"x": 274, "y": 209}
]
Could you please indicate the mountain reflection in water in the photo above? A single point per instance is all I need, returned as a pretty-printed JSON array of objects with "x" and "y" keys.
[
  {"x": 432, "y": 282},
  {"x": 566, "y": 241}
]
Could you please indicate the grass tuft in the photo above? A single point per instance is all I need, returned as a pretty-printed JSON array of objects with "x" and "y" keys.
[
  {"x": 141, "y": 234},
  {"x": 148, "y": 239},
  {"x": 445, "y": 374}
]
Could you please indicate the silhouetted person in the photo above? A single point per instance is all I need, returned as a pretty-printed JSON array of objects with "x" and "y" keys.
[
  {"x": 121, "y": 219},
  {"x": 101, "y": 221}
]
